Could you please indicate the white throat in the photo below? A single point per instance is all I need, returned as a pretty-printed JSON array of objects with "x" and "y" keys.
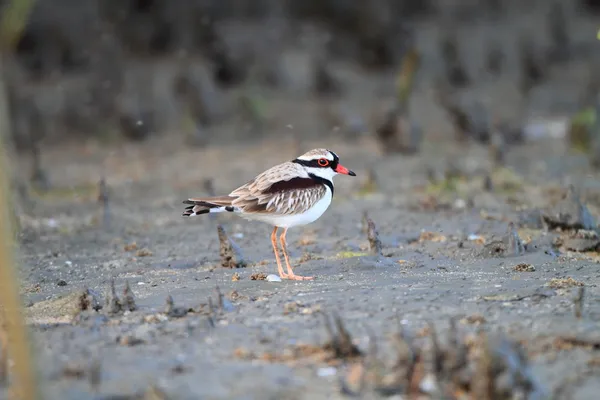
[{"x": 325, "y": 173}]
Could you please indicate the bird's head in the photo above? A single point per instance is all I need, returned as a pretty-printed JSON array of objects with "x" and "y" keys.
[{"x": 322, "y": 163}]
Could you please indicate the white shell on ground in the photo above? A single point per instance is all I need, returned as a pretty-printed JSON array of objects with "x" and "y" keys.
[{"x": 273, "y": 278}]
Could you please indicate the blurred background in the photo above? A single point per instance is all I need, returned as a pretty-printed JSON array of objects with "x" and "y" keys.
[{"x": 86, "y": 78}]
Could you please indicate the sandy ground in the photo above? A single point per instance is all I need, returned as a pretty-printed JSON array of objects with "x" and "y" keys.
[{"x": 431, "y": 270}]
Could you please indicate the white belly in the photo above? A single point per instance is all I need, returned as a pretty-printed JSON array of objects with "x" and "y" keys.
[{"x": 287, "y": 221}]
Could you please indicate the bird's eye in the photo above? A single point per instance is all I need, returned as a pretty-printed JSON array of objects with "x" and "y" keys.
[{"x": 323, "y": 162}]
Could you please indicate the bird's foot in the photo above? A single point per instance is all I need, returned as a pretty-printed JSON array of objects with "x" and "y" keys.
[
  {"x": 283, "y": 275},
  {"x": 295, "y": 277}
]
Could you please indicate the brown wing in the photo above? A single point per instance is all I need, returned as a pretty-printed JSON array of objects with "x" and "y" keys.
[{"x": 284, "y": 189}]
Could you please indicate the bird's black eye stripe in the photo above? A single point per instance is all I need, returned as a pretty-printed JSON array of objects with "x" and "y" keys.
[
  {"x": 304, "y": 162},
  {"x": 315, "y": 163},
  {"x": 311, "y": 163}
]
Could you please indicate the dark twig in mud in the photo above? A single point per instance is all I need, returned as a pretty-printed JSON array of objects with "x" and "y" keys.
[
  {"x": 128, "y": 299},
  {"x": 460, "y": 119},
  {"x": 220, "y": 298},
  {"x": 340, "y": 341},
  {"x": 113, "y": 303},
  {"x": 198, "y": 98},
  {"x": 509, "y": 245},
  {"x": 371, "y": 365},
  {"x": 488, "y": 184},
  {"x": 431, "y": 364},
  {"x": 578, "y": 302},
  {"x": 456, "y": 357},
  {"x": 456, "y": 75},
  {"x": 172, "y": 311},
  {"x": 169, "y": 305},
  {"x": 365, "y": 222},
  {"x": 497, "y": 148},
  {"x": 463, "y": 368},
  {"x": 103, "y": 199},
  {"x": 396, "y": 134},
  {"x": 389, "y": 132},
  {"x": 231, "y": 254},
  {"x": 437, "y": 358},
  {"x": 211, "y": 312},
  {"x": 211, "y": 307},
  {"x": 39, "y": 177},
  {"x": 375, "y": 246},
  {"x": 558, "y": 28},
  {"x": 406, "y": 76},
  {"x": 228, "y": 70},
  {"x": 324, "y": 83},
  {"x": 88, "y": 301},
  {"x": 532, "y": 73},
  {"x": 494, "y": 58},
  {"x": 209, "y": 187},
  {"x": 95, "y": 374},
  {"x": 339, "y": 349},
  {"x": 403, "y": 368},
  {"x": 515, "y": 244},
  {"x": 569, "y": 214},
  {"x": 581, "y": 241}
]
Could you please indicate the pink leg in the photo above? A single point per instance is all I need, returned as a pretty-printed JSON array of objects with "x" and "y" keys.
[
  {"x": 291, "y": 274},
  {"x": 282, "y": 274}
]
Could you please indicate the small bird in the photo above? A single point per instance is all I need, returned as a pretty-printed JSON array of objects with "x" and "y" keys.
[{"x": 290, "y": 194}]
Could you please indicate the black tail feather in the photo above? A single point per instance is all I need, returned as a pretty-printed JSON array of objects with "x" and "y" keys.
[{"x": 198, "y": 207}]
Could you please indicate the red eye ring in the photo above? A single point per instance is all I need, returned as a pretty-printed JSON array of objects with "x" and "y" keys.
[{"x": 323, "y": 162}]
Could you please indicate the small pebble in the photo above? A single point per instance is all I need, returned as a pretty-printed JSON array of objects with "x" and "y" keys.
[
  {"x": 326, "y": 371},
  {"x": 273, "y": 278},
  {"x": 61, "y": 283},
  {"x": 460, "y": 204},
  {"x": 428, "y": 384}
]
